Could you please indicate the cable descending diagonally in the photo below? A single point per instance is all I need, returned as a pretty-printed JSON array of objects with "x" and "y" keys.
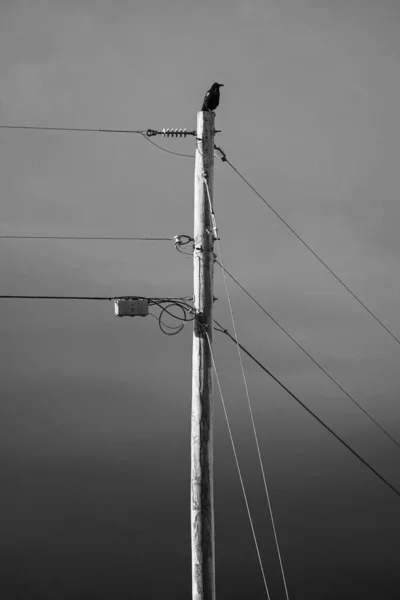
[
  {"x": 284, "y": 387},
  {"x": 322, "y": 369},
  {"x": 238, "y": 466},
  {"x": 247, "y": 392},
  {"x": 313, "y": 252}
]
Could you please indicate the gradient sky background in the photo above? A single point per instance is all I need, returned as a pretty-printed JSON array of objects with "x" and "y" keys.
[{"x": 95, "y": 411}]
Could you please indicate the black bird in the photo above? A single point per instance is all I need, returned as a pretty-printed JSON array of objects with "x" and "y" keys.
[{"x": 211, "y": 99}]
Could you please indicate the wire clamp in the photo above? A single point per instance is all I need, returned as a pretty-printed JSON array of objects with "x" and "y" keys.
[
  {"x": 221, "y": 152},
  {"x": 150, "y": 132},
  {"x": 182, "y": 240}
]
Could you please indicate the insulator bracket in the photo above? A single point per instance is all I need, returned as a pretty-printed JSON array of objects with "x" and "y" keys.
[{"x": 175, "y": 132}]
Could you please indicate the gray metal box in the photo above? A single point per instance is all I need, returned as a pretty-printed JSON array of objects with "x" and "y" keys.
[{"x": 131, "y": 308}]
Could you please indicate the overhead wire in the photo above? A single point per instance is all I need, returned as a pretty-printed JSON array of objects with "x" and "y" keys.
[
  {"x": 184, "y": 301},
  {"x": 322, "y": 369},
  {"x": 225, "y": 159},
  {"x": 144, "y": 133},
  {"x": 187, "y": 311},
  {"x": 313, "y": 252},
  {"x": 247, "y": 391},
  {"x": 33, "y": 297},
  {"x": 164, "y": 304},
  {"x": 79, "y": 237},
  {"x": 293, "y": 339},
  {"x": 82, "y": 129},
  {"x": 165, "y": 149},
  {"x": 174, "y": 329},
  {"x": 305, "y": 352},
  {"x": 176, "y": 300},
  {"x": 221, "y": 329},
  {"x": 238, "y": 466}
]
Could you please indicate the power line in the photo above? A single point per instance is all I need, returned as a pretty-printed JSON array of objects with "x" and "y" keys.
[
  {"x": 340, "y": 387},
  {"x": 238, "y": 466},
  {"x": 77, "y": 237},
  {"x": 165, "y": 150},
  {"x": 182, "y": 299},
  {"x": 322, "y": 369},
  {"x": 144, "y": 133},
  {"x": 283, "y": 386},
  {"x": 26, "y": 297},
  {"x": 82, "y": 129},
  {"x": 247, "y": 392},
  {"x": 221, "y": 329},
  {"x": 313, "y": 252},
  {"x": 166, "y": 132}
]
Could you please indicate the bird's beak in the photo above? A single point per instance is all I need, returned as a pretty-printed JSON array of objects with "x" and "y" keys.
[{"x": 221, "y": 85}]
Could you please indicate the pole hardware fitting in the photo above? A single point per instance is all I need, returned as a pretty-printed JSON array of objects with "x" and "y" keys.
[
  {"x": 182, "y": 240},
  {"x": 200, "y": 324},
  {"x": 214, "y": 233},
  {"x": 221, "y": 152},
  {"x": 215, "y": 131},
  {"x": 167, "y": 132},
  {"x": 176, "y": 132}
]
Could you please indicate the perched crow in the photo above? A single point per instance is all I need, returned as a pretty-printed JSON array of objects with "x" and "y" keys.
[{"x": 211, "y": 99}]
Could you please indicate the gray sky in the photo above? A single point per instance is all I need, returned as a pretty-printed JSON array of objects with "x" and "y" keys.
[{"x": 95, "y": 411}]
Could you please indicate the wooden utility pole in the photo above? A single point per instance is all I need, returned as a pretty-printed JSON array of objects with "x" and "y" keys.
[{"x": 202, "y": 497}]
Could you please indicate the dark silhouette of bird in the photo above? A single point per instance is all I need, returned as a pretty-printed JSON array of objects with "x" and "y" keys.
[{"x": 211, "y": 99}]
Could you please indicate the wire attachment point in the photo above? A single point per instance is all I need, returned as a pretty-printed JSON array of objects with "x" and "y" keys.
[
  {"x": 175, "y": 132},
  {"x": 169, "y": 132},
  {"x": 150, "y": 133},
  {"x": 200, "y": 324},
  {"x": 182, "y": 240},
  {"x": 220, "y": 153}
]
